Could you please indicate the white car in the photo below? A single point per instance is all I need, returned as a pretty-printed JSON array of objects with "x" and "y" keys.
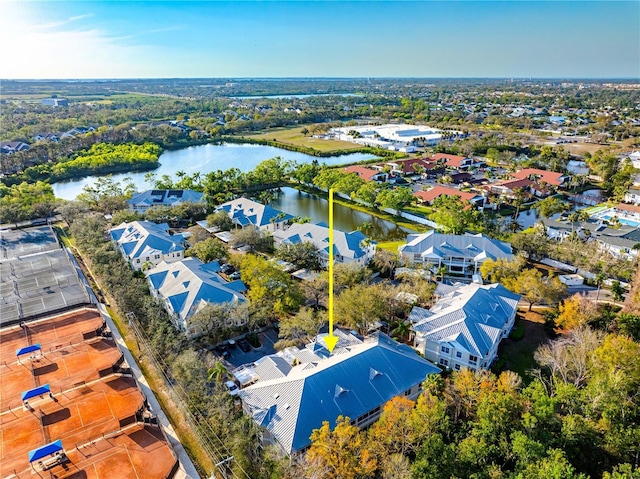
[{"x": 232, "y": 387}]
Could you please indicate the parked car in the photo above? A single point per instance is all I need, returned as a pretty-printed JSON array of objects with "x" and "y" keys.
[
  {"x": 234, "y": 276},
  {"x": 232, "y": 387},
  {"x": 227, "y": 268},
  {"x": 244, "y": 345}
]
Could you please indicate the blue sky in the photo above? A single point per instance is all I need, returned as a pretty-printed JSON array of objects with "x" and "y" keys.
[{"x": 147, "y": 39}]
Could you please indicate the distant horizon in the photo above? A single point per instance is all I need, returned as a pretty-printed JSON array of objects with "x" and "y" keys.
[
  {"x": 399, "y": 77},
  {"x": 320, "y": 39}
]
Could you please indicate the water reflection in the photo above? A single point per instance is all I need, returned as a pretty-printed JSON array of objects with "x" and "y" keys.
[{"x": 302, "y": 204}]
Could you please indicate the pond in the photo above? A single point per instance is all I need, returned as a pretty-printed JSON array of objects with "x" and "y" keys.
[
  {"x": 298, "y": 203},
  {"x": 206, "y": 158}
]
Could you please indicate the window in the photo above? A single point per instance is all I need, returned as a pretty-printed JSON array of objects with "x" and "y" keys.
[
  {"x": 473, "y": 359},
  {"x": 457, "y": 367},
  {"x": 445, "y": 349},
  {"x": 138, "y": 260},
  {"x": 458, "y": 354},
  {"x": 157, "y": 256},
  {"x": 444, "y": 362}
]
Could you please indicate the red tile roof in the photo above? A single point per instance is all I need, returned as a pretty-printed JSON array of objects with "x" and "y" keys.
[
  {"x": 454, "y": 161},
  {"x": 430, "y": 195},
  {"x": 366, "y": 174},
  {"x": 406, "y": 166},
  {"x": 550, "y": 177},
  {"x": 511, "y": 184},
  {"x": 629, "y": 208}
]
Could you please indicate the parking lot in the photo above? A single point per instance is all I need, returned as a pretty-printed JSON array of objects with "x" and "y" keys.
[{"x": 238, "y": 357}]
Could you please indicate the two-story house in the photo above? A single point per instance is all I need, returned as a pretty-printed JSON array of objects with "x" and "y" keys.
[{"x": 465, "y": 326}]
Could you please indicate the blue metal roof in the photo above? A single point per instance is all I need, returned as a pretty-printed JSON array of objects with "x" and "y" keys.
[
  {"x": 39, "y": 391},
  {"x": 45, "y": 450},
  {"x": 28, "y": 349},
  {"x": 342, "y": 384}
]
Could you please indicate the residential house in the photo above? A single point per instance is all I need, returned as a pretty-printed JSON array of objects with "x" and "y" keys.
[
  {"x": 429, "y": 196},
  {"x": 79, "y": 130},
  {"x": 552, "y": 178},
  {"x": 352, "y": 247},
  {"x": 141, "y": 202},
  {"x": 632, "y": 196},
  {"x": 460, "y": 254},
  {"x": 144, "y": 243},
  {"x": 367, "y": 174},
  {"x": 465, "y": 326},
  {"x": 619, "y": 242},
  {"x": 635, "y": 159},
  {"x": 454, "y": 161},
  {"x": 47, "y": 136},
  {"x": 508, "y": 188},
  {"x": 576, "y": 167},
  {"x": 8, "y": 147},
  {"x": 187, "y": 286},
  {"x": 245, "y": 212},
  {"x": 298, "y": 389},
  {"x": 415, "y": 166}
]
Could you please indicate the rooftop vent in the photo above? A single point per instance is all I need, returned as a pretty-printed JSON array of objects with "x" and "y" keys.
[
  {"x": 276, "y": 396},
  {"x": 339, "y": 390},
  {"x": 373, "y": 373}
]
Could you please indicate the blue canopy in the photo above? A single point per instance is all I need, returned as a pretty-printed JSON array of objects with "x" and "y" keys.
[
  {"x": 45, "y": 450},
  {"x": 28, "y": 349},
  {"x": 39, "y": 391}
]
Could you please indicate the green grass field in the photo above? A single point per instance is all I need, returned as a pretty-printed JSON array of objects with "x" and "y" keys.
[
  {"x": 390, "y": 245},
  {"x": 294, "y": 136}
]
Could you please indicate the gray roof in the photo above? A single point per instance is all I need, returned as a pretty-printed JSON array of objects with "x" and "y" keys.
[
  {"x": 190, "y": 284},
  {"x": 151, "y": 198},
  {"x": 348, "y": 245},
  {"x": 351, "y": 382},
  {"x": 244, "y": 211},
  {"x": 472, "y": 316},
  {"x": 472, "y": 247},
  {"x": 144, "y": 238}
]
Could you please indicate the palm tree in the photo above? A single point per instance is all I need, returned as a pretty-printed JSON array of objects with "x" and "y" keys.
[{"x": 217, "y": 372}]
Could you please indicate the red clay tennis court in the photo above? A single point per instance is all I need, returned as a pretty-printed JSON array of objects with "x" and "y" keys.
[{"x": 97, "y": 412}]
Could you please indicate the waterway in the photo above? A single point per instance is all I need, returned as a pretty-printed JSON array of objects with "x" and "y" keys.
[
  {"x": 203, "y": 159},
  {"x": 302, "y": 204}
]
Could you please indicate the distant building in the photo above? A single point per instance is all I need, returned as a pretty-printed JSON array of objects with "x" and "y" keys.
[
  {"x": 455, "y": 161},
  {"x": 576, "y": 167},
  {"x": 465, "y": 326},
  {"x": 146, "y": 243},
  {"x": 430, "y": 195},
  {"x": 245, "y": 212},
  {"x": 47, "y": 136},
  {"x": 77, "y": 131},
  {"x": 298, "y": 389},
  {"x": 186, "y": 286},
  {"x": 632, "y": 196},
  {"x": 393, "y": 137},
  {"x": 141, "y": 202},
  {"x": 460, "y": 254},
  {"x": 9, "y": 147},
  {"x": 54, "y": 102},
  {"x": 552, "y": 178},
  {"x": 367, "y": 174},
  {"x": 352, "y": 247}
]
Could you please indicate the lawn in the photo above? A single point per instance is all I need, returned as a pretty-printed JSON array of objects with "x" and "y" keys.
[
  {"x": 390, "y": 245},
  {"x": 518, "y": 355},
  {"x": 294, "y": 136}
]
